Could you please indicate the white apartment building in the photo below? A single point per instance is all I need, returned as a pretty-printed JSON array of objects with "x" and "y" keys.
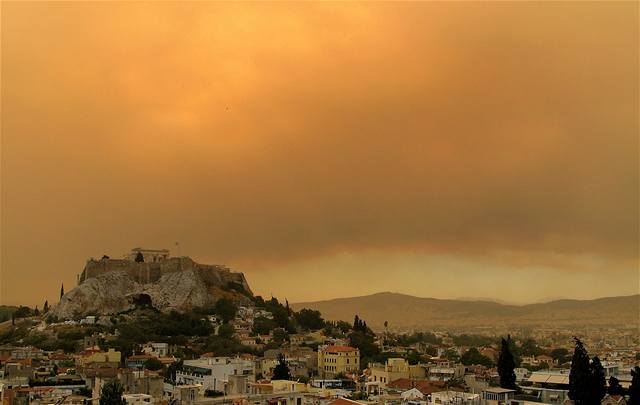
[
  {"x": 138, "y": 399},
  {"x": 445, "y": 372},
  {"x": 453, "y": 398},
  {"x": 213, "y": 372}
]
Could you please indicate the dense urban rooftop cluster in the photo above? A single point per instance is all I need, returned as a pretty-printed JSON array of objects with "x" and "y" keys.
[{"x": 266, "y": 353}]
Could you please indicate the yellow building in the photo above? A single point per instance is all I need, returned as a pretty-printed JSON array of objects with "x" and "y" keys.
[
  {"x": 385, "y": 373},
  {"x": 394, "y": 369},
  {"x": 334, "y": 360},
  {"x": 97, "y": 356}
]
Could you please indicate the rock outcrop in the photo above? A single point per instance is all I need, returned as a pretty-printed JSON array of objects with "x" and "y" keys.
[{"x": 110, "y": 286}]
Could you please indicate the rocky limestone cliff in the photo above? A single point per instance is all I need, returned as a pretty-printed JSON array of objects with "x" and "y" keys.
[{"x": 110, "y": 286}]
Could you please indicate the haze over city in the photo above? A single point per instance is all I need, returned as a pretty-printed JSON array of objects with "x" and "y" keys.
[{"x": 326, "y": 150}]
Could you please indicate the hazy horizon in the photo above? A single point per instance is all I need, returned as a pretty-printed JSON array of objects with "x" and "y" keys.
[
  {"x": 442, "y": 149},
  {"x": 485, "y": 299}
]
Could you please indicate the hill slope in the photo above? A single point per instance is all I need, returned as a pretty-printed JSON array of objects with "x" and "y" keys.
[
  {"x": 405, "y": 311},
  {"x": 110, "y": 286}
]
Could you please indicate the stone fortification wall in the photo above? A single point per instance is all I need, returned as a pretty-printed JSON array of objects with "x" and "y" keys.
[{"x": 145, "y": 273}]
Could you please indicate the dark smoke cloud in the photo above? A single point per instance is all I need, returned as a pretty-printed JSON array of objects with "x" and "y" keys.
[{"x": 263, "y": 135}]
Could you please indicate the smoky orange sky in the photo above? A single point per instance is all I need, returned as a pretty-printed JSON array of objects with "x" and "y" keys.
[{"x": 440, "y": 149}]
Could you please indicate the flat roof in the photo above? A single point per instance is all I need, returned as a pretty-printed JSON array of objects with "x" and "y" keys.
[{"x": 498, "y": 390}]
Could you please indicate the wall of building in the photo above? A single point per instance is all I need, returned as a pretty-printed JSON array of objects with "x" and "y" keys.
[{"x": 331, "y": 363}]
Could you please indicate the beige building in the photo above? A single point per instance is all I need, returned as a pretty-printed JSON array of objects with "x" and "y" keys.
[
  {"x": 395, "y": 369},
  {"x": 95, "y": 355},
  {"x": 334, "y": 360}
]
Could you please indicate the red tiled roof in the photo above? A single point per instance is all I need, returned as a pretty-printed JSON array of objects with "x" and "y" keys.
[
  {"x": 343, "y": 401},
  {"x": 339, "y": 349},
  {"x": 424, "y": 386}
]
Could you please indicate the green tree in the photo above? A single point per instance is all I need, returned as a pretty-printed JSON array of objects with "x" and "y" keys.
[
  {"x": 263, "y": 326},
  {"x": 139, "y": 257},
  {"x": 614, "y": 387},
  {"x": 579, "y": 376},
  {"x": 473, "y": 356},
  {"x": 560, "y": 355},
  {"x": 226, "y": 331},
  {"x": 634, "y": 389},
  {"x": 85, "y": 392},
  {"x": 279, "y": 336},
  {"x": 506, "y": 365},
  {"x": 597, "y": 384},
  {"x": 171, "y": 370},
  {"x": 431, "y": 351},
  {"x": 451, "y": 355},
  {"x": 308, "y": 319},
  {"x": 45, "y": 308},
  {"x": 281, "y": 370},
  {"x": 22, "y": 312},
  {"x": 343, "y": 326},
  {"x": 153, "y": 364},
  {"x": 365, "y": 343},
  {"x": 226, "y": 309},
  {"x": 413, "y": 357},
  {"x": 111, "y": 394},
  {"x": 530, "y": 348}
]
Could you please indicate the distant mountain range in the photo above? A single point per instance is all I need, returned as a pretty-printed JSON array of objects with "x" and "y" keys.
[{"x": 408, "y": 312}]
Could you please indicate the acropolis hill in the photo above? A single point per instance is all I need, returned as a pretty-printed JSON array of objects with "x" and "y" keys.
[{"x": 108, "y": 286}]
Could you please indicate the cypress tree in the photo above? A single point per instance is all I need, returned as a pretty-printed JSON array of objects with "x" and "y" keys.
[
  {"x": 506, "y": 366},
  {"x": 597, "y": 385},
  {"x": 579, "y": 376},
  {"x": 634, "y": 389},
  {"x": 614, "y": 387},
  {"x": 45, "y": 308},
  {"x": 139, "y": 257},
  {"x": 61, "y": 290},
  {"x": 281, "y": 370}
]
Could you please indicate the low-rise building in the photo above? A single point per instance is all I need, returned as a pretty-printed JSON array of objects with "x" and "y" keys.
[
  {"x": 138, "y": 399},
  {"x": 334, "y": 360},
  {"x": 213, "y": 372},
  {"x": 393, "y": 369},
  {"x": 497, "y": 395},
  {"x": 453, "y": 398}
]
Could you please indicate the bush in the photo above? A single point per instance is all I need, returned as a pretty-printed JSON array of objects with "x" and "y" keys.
[{"x": 153, "y": 364}]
